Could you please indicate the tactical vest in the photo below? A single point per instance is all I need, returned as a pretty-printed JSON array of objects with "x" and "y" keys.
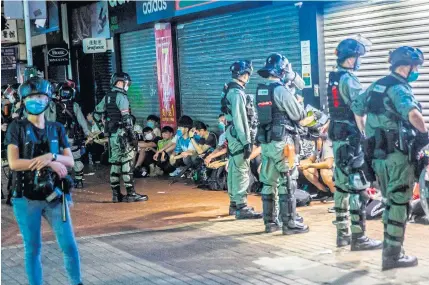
[
  {"x": 113, "y": 114},
  {"x": 338, "y": 109},
  {"x": 29, "y": 148},
  {"x": 252, "y": 118},
  {"x": 271, "y": 118},
  {"x": 375, "y": 101}
]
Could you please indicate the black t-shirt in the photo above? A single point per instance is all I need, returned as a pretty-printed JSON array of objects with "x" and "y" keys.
[
  {"x": 155, "y": 140},
  {"x": 210, "y": 140},
  {"x": 14, "y": 136}
]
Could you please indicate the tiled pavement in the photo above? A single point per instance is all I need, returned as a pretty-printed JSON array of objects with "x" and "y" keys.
[{"x": 225, "y": 251}]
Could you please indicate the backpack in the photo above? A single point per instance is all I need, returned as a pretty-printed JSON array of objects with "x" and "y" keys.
[
  {"x": 217, "y": 179},
  {"x": 303, "y": 198}
]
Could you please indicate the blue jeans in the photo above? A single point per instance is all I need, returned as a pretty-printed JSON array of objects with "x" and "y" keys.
[{"x": 28, "y": 215}]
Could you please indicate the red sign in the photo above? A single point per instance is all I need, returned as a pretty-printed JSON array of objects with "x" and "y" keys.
[{"x": 165, "y": 71}]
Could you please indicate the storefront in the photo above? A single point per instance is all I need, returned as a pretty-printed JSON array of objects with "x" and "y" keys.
[
  {"x": 208, "y": 46},
  {"x": 388, "y": 25}
]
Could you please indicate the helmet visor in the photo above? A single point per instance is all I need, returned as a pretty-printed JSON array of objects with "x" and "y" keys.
[{"x": 366, "y": 43}]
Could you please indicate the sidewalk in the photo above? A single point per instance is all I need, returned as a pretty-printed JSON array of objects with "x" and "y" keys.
[{"x": 179, "y": 237}]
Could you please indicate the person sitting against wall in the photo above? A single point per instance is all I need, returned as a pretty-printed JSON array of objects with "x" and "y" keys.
[
  {"x": 202, "y": 140},
  {"x": 162, "y": 161},
  {"x": 318, "y": 168},
  {"x": 153, "y": 122},
  {"x": 147, "y": 149}
]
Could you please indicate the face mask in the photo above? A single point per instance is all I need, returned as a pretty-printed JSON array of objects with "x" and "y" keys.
[
  {"x": 197, "y": 137},
  {"x": 126, "y": 87},
  {"x": 221, "y": 126},
  {"x": 90, "y": 122},
  {"x": 36, "y": 106},
  {"x": 151, "y": 125},
  {"x": 357, "y": 64},
  {"x": 148, "y": 137},
  {"x": 179, "y": 132},
  {"x": 413, "y": 76}
]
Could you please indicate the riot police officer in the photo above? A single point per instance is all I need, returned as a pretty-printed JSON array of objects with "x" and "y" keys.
[
  {"x": 279, "y": 111},
  {"x": 65, "y": 110},
  {"x": 396, "y": 131},
  {"x": 351, "y": 179},
  {"x": 241, "y": 133},
  {"x": 119, "y": 129}
]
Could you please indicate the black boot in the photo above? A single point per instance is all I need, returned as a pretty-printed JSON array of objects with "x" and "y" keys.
[
  {"x": 132, "y": 196},
  {"x": 232, "y": 208},
  {"x": 244, "y": 212},
  {"x": 117, "y": 196},
  {"x": 360, "y": 242},
  {"x": 270, "y": 218},
  {"x": 288, "y": 213},
  {"x": 343, "y": 241},
  {"x": 393, "y": 257}
]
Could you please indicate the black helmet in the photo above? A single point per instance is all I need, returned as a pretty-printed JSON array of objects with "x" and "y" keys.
[
  {"x": 241, "y": 67},
  {"x": 352, "y": 47},
  {"x": 406, "y": 56},
  {"x": 66, "y": 90},
  {"x": 276, "y": 65},
  {"x": 120, "y": 76},
  {"x": 33, "y": 86}
]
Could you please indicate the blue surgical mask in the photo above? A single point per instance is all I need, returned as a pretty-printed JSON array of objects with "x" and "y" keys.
[
  {"x": 221, "y": 126},
  {"x": 413, "y": 76},
  {"x": 197, "y": 137},
  {"x": 179, "y": 133},
  {"x": 35, "y": 106},
  {"x": 151, "y": 125}
]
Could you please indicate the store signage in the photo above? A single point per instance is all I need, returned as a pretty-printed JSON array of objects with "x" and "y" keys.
[
  {"x": 153, "y": 10},
  {"x": 94, "y": 45},
  {"x": 58, "y": 54},
  {"x": 306, "y": 63},
  {"x": 165, "y": 72},
  {"x": 184, "y": 7},
  {"x": 122, "y": 16},
  {"x": 10, "y": 33},
  {"x": 8, "y": 58}
]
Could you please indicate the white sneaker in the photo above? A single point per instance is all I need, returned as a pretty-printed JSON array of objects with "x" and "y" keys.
[{"x": 176, "y": 172}]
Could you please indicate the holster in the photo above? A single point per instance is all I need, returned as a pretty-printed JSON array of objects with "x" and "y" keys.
[
  {"x": 385, "y": 143},
  {"x": 279, "y": 132},
  {"x": 264, "y": 134}
]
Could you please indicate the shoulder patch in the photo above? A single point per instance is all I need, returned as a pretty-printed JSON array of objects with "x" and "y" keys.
[
  {"x": 379, "y": 88},
  {"x": 263, "y": 92}
]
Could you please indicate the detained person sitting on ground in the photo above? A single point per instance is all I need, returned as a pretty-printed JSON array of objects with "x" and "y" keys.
[
  {"x": 184, "y": 154},
  {"x": 162, "y": 163},
  {"x": 95, "y": 143},
  {"x": 153, "y": 122},
  {"x": 202, "y": 139},
  {"x": 39, "y": 154},
  {"x": 318, "y": 168},
  {"x": 147, "y": 149}
]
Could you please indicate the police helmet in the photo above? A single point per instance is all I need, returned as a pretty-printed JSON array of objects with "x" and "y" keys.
[
  {"x": 406, "y": 55},
  {"x": 35, "y": 86},
  {"x": 352, "y": 47},
  {"x": 66, "y": 90},
  {"x": 276, "y": 65},
  {"x": 120, "y": 76},
  {"x": 241, "y": 67}
]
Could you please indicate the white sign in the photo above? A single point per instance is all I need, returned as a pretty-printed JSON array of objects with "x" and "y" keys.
[
  {"x": 305, "y": 52},
  {"x": 94, "y": 45},
  {"x": 10, "y": 34}
]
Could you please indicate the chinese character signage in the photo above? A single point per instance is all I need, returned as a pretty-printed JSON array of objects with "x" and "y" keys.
[
  {"x": 10, "y": 33},
  {"x": 8, "y": 58},
  {"x": 94, "y": 45},
  {"x": 58, "y": 54},
  {"x": 165, "y": 72}
]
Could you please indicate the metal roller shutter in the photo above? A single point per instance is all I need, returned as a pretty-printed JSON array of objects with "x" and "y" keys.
[
  {"x": 207, "y": 47},
  {"x": 102, "y": 73},
  {"x": 138, "y": 59},
  {"x": 388, "y": 24}
]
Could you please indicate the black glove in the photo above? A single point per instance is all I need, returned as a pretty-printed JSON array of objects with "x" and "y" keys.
[
  {"x": 247, "y": 150},
  {"x": 422, "y": 139}
]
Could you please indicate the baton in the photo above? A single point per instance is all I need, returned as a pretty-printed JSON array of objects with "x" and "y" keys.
[{"x": 64, "y": 206}]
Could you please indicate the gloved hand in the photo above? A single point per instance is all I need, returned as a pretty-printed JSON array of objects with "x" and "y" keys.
[
  {"x": 247, "y": 150},
  {"x": 290, "y": 74},
  {"x": 422, "y": 139}
]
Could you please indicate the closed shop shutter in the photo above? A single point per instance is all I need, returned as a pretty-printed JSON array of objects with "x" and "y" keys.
[
  {"x": 102, "y": 74},
  {"x": 8, "y": 76},
  {"x": 138, "y": 58},
  {"x": 207, "y": 47},
  {"x": 388, "y": 24}
]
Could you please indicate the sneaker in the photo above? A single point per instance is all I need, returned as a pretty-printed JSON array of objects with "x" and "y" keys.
[
  {"x": 321, "y": 196},
  {"x": 158, "y": 171},
  {"x": 135, "y": 198},
  {"x": 176, "y": 172}
]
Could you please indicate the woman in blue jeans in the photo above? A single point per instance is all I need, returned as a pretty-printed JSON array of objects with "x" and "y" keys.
[{"x": 33, "y": 148}]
